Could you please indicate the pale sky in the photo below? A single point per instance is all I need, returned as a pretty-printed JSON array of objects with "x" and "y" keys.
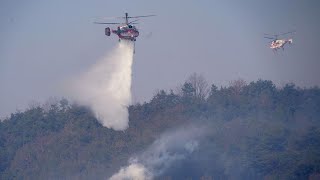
[{"x": 44, "y": 43}]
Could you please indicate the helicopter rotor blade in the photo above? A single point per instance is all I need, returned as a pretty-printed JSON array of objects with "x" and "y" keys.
[
  {"x": 288, "y": 32},
  {"x": 111, "y": 17},
  {"x": 133, "y": 22},
  {"x": 123, "y": 17},
  {"x": 269, "y": 37},
  {"x": 270, "y": 34},
  {"x": 141, "y": 16},
  {"x": 106, "y": 23}
]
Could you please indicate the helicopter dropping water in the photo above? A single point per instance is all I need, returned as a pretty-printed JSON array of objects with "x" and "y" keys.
[{"x": 126, "y": 30}]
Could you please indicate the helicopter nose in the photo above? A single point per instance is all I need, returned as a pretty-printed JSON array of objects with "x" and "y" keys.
[{"x": 135, "y": 33}]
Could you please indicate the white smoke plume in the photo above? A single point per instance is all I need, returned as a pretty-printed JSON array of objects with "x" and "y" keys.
[
  {"x": 134, "y": 171},
  {"x": 169, "y": 148},
  {"x": 106, "y": 87}
]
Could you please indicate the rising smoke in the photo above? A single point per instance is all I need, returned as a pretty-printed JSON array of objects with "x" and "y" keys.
[
  {"x": 162, "y": 154},
  {"x": 106, "y": 87}
]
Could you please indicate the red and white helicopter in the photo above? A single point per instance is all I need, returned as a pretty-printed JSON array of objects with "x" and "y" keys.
[
  {"x": 125, "y": 30},
  {"x": 278, "y": 43}
]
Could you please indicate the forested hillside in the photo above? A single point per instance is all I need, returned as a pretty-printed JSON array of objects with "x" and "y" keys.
[{"x": 254, "y": 131}]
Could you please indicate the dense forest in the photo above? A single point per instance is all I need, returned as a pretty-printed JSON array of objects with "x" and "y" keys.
[{"x": 252, "y": 131}]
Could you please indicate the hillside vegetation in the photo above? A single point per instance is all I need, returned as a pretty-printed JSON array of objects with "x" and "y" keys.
[{"x": 257, "y": 131}]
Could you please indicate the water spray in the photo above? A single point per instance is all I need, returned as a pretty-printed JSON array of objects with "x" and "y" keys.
[{"x": 106, "y": 87}]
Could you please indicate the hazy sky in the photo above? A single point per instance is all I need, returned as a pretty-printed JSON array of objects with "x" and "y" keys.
[{"x": 44, "y": 43}]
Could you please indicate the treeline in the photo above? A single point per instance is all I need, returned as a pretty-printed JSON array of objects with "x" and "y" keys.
[{"x": 259, "y": 131}]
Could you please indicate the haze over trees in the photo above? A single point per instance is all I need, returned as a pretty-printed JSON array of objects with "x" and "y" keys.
[{"x": 255, "y": 131}]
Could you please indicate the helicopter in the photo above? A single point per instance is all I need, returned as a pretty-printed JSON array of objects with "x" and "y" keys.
[
  {"x": 278, "y": 43},
  {"x": 126, "y": 30}
]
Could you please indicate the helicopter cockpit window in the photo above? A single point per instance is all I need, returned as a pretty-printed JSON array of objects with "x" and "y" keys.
[{"x": 130, "y": 26}]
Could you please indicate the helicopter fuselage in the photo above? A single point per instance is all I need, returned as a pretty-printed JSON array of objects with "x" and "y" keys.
[
  {"x": 127, "y": 32},
  {"x": 279, "y": 43}
]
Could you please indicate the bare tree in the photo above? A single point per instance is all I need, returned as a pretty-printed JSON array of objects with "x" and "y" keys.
[
  {"x": 49, "y": 103},
  {"x": 238, "y": 85},
  {"x": 33, "y": 104},
  {"x": 200, "y": 85}
]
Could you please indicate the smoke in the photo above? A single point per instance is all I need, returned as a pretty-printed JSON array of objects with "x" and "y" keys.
[
  {"x": 162, "y": 154},
  {"x": 134, "y": 171},
  {"x": 106, "y": 87}
]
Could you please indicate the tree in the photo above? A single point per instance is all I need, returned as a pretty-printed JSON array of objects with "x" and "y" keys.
[
  {"x": 188, "y": 92},
  {"x": 200, "y": 86},
  {"x": 237, "y": 85}
]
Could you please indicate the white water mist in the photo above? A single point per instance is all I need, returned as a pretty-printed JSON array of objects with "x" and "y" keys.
[{"x": 106, "y": 87}]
